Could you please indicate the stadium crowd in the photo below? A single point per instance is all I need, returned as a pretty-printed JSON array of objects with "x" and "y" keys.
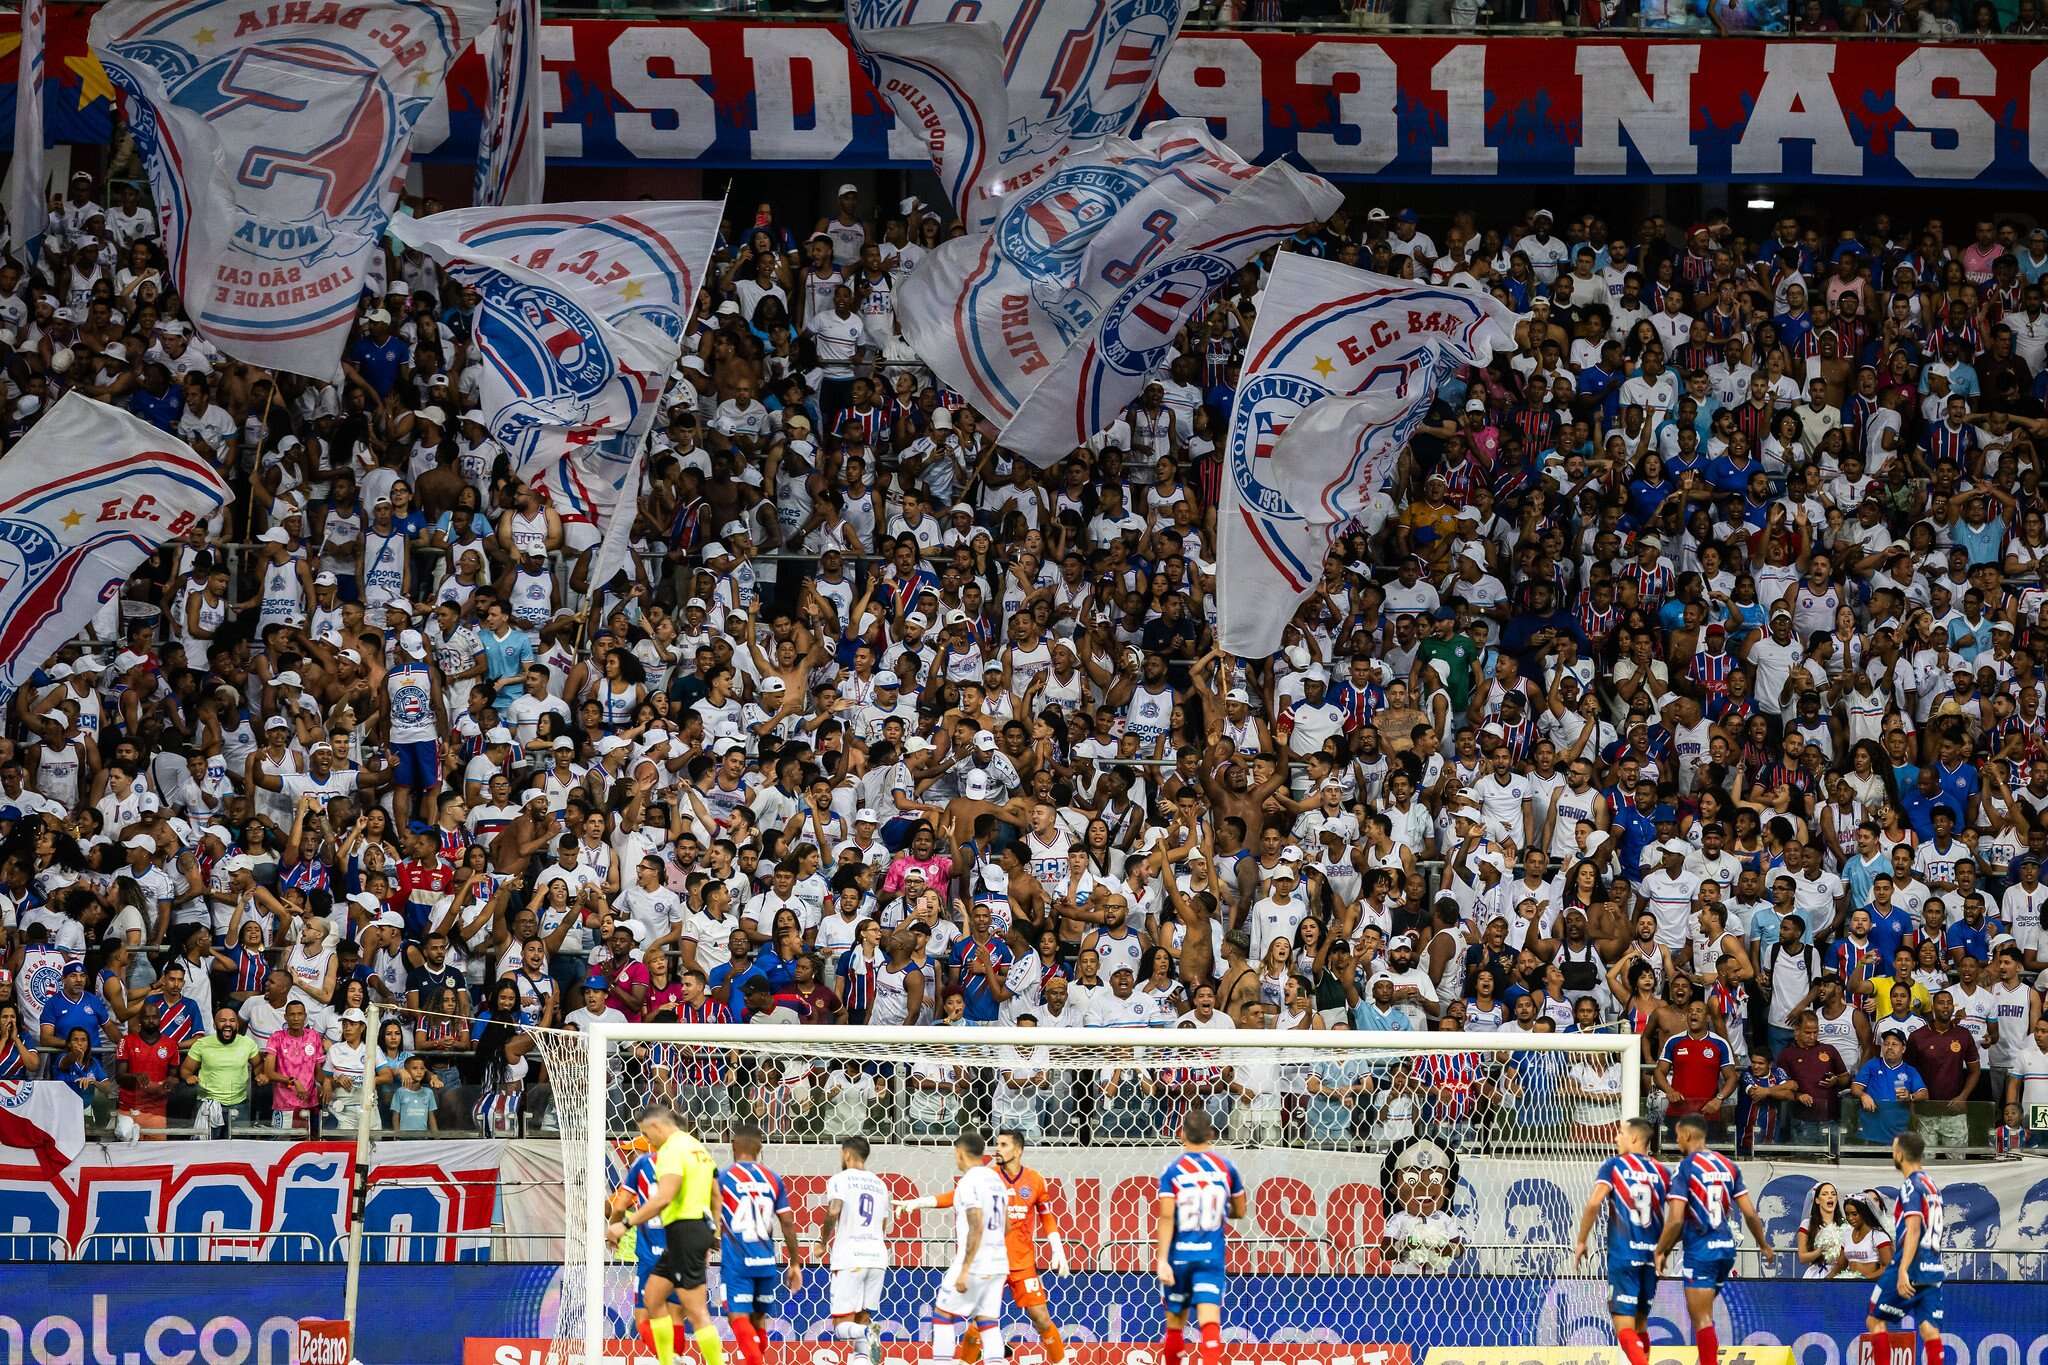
[{"x": 1688, "y": 681}]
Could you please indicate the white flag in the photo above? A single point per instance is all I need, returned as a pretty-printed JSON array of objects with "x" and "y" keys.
[
  {"x": 1004, "y": 97},
  {"x": 1341, "y": 367},
  {"x": 85, "y": 497},
  {"x": 276, "y": 139},
  {"x": 511, "y": 157},
  {"x": 1051, "y": 322},
  {"x": 26, "y": 194},
  {"x": 580, "y": 322}
]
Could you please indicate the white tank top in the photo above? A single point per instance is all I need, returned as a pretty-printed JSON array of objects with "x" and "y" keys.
[
  {"x": 1127, "y": 951},
  {"x": 284, "y": 597},
  {"x": 1150, "y": 712},
  {"x": 618, "y": 706},
  {"x": 383, "y": 567},
  {"x": 530, "y": 534},
  {"x": 1048, "y": 862},
  {"x": 1061, "y": 694},
  {"x": 1840, "y": 1034},
  {"x": 1570, "y": 808},
  {"x": 410, "y": 688},
  {"x": 533, "y": 597},
  {"x": 891, "y": 1004},
  {"x": 211, "y": 617},
  {"x": 1026, "y": 664},
  {"x": 307, "y": 971}
]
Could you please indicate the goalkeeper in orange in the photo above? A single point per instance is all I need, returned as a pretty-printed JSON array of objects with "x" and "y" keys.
[{"x": 1029, "y": 1215}]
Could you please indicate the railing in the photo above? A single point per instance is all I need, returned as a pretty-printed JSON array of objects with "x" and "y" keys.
[{"x": 199, "y": 1246}]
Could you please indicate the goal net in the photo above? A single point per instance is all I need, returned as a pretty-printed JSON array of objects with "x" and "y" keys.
[{"x": 1405, "y": 1190}]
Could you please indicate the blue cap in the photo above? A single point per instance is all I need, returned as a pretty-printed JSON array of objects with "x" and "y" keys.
[
  {"x": 1663, "y": 813},
  {"x": 418, "y": 827},
  {"x": 596, "y": 981},
  {"x": 1406, "y": 216},
  {"x": 1444, "y": 613}
]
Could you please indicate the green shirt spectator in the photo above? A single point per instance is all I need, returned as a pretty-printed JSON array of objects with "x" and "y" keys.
[
  {"x": 1457, "y": 649},
  {"x": 223, "y": 1066}
]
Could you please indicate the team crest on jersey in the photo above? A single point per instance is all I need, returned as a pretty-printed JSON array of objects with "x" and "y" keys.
[
  {"x": 42, "y": 979},
  {"x": 1140, "y": 326},
  {"x": 1045, "y": 233}
]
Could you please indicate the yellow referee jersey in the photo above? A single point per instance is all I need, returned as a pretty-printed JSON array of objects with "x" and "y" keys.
[{"x": 682, "y": 1155}]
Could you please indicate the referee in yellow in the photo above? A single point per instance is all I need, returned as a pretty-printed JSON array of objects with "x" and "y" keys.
[{"x": 686, "y": 1178}]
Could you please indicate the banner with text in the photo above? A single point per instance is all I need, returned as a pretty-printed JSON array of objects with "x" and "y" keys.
[
  {"x": 1309, "y": 1216},
  {"x": 1545, "y": 110},
  {"x": 429, "y": 1201}
]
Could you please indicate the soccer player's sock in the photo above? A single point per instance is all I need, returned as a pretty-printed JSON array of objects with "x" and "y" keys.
[
  {"x": 647, "y": 1332},
  {"x": 1709, "y": 1342},
  {"x": 1930, "y": 1350},
  {"x": 746, "y": 1340},
  {"x": 991, "y": 1335},
  {"x": 1056, "y": 1349},
  {"x": 1212, "y": 1343},
  {"x": 709, "y": 1346},
  {"x": 663, "y": 1328},
  {"x": 1169, "y": 1346},
  {"x": 851, "y": 1329},
  {"x": 970, "y": 1345},
  {"x": 1632, "y": 1345},
  {"x": 945, "y": 1332}
]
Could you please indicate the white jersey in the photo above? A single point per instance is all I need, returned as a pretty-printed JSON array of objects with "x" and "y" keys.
[
  {"x": 857, "y": 1240},
  {"x": 980, "y": 1198},
  {"x": 1047, "y": 861}
]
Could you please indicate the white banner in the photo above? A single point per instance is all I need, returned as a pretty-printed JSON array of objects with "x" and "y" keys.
[
  {"x": 276, "y": 140},
  {"x": 1322, "y": 1210},
  {"x": 1051, "y": 321},
  {"x": 1341, "y": 367},
  {"x": 511, "y": 157},
  {"x": 85, "y": 497}
]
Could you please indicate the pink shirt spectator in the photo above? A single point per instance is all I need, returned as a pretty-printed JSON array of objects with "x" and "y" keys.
[
  {"x": 634, "y": 973},
  {"x": 296, "y": 1059},
  {"x": 937, "y": 869}
]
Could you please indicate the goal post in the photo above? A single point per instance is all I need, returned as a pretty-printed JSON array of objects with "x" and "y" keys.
[{"x": 1408, "y": 1189}]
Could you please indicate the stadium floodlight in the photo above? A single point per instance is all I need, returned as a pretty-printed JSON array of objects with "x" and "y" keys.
[{"x": 1400, "y": 1180}]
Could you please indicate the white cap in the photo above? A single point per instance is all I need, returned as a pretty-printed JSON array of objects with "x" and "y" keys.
[
  {"x": 497, "y": 734},
  {"x": 276, "y": 535},
  {"x": 771, "y": 683},
  {"x": 390, "y": 919},
  {"x": 128, "y": 659},
  {"x": 942, "y": 419},
  {"x": 986, "y": 741},
  {"x": 611, "y": 744},
  {"x": 1238, "y": 694},
  {"x": 849, "y": 189},
  {"x": 918, "y": 619},
  {"x": 412, "y": 642},
  {"x": 977, "y": 786},
  {"x": 432, "y": 413},
  {"x": 887, "y": 678},
  {"x": 378, "y": 315},
  {"x": 324, "y": 579},
  {"x": 916, "y": 744},
  {"x": 365, "y": 900},
  {"x": 148, "y": 804},
  {"x": 141, "y": 841},
  {"x": 714, "y": 550},
  {"x": 353, "y": 1017},
  {"x": 866, "y": 816},
  {"x": 288, "y": 678},
  {"x": 956, "y": 617}
]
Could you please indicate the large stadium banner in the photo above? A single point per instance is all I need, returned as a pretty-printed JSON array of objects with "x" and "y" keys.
[
  {"x": 1322, "y": 1212},
  {"x": 175, "y": 1201},
  {"x": 1544, "y": 110}
]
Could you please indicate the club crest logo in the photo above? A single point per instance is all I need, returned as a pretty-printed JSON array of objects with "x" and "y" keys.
[
  {"x": 1141, "y": 324},
  {"x": 1102, "y": 70},
  {"x": 1045, "y": 233}
]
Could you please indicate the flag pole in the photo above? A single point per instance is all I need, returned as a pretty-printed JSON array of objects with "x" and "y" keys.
[{"x": 366, "y": 1101}]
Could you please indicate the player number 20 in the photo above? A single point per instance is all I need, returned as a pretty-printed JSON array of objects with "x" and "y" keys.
[{"x": 1200, "y": 1207}]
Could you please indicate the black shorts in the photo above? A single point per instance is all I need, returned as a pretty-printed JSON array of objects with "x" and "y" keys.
[{"x": 684, "y": 1262}]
